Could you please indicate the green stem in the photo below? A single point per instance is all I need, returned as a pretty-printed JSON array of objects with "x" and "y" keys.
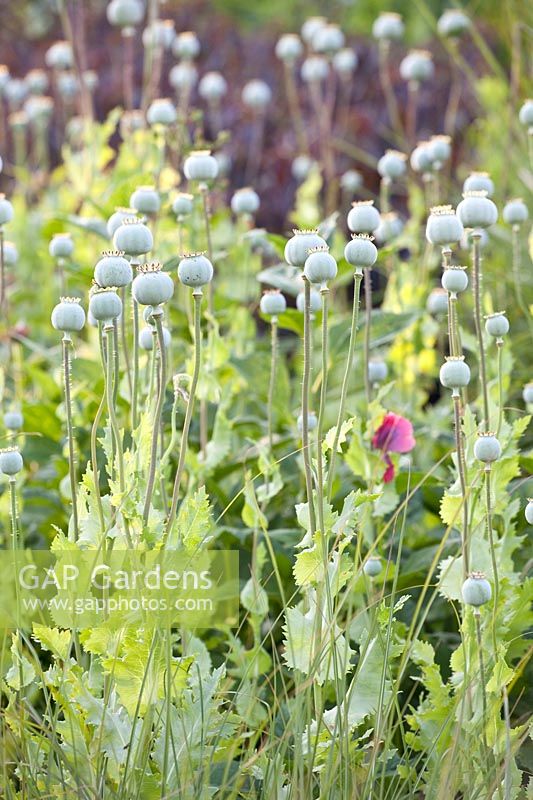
[
  {"x": 499, "y": 345},
  {"x": 388, "y": 90},
  {"x": 477, "y": 616},
  {"x": 156, "y": 315},
  {"x": 94, "y": 433},
  {"x": 461, "y": 466},
  {"x": 124, "y": 340},
  {"x": 305, "y": 405},
  {"x": 476, "y": 288},
  {"x": 197, "y": 296},
  {"x": 358, "y": 277},
  {"x": 135, "y": 397},
  {"x": 15, "y": 544},
  {"x": 366, "y": 339},
  {"x": 272, "y": 382},
  {"x": 320, "y": 427},
  {"x": 67, "y": 342},
  {"x": 490, "y": 536}
]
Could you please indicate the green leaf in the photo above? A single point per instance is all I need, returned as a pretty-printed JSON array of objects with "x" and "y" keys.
[{"x": 52, "y": 639}]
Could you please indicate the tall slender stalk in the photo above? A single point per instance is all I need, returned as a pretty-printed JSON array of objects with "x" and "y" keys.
[
  {"x": 127, "y": 75},
  {"x": 15, "y": 544},
  {"x": 305, "y": 404},
  {"x": 476, "y": 289},
  {"x": 94, "y": 433},
  {"x": 67, "y": 343},
  {"x": 2, "y": 271},
  {"x": 272, "y": 381},
  {"x": 358, "y": 277},
  {"x": 461, "y": 467},
  {"x": 490, "y": 536},
  {"x": 125, "y": 341},
  {"x": 324, "y": 291},
  {"x": 294, "y": 107},
  {"x": 367, "y": 272},
  {"x": 197, "y": 297},
  {"x": 135, "y": 395},
  {"x": 477, "y": 619},
  {"x": 388, "y": 90},
  {"x": 156, "y": 315},
  {"x": 412, "y": 107}
]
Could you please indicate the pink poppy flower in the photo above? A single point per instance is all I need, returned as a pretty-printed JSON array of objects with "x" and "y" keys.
[{"x": 394, "y": 435}]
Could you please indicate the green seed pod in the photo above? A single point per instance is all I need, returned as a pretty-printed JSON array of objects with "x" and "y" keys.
[
  {"x": 529, "y": 511},
  {"x": 453, "y": 23},
  {"x": 13, "y": 420},
  {"x": 11, "y": 461},
  {"x": 497, "y": 325},
  {"x": 328, "y": 39},
  {"x": 160, "y": 34},
  {"x": 476, "y": 210},
  {"x": 300, "y": 245},
  {"x": 361, "y": 251},
  {"x": 301, "y": 167},
  {"x": 146, "y": 338},
  {"x": 289, "y": 48},
  {"x": 515, "y": 212},
  {"x": 454, "y": 373},
  {"x": 422, "y": 158},
  {"x": 61, "y": 246},
  {"x": 105, "y": 304},
  {"x": 183, "y": 204},
  {"x": 186, "y": 45},
  {"x": 256, "y": 95},
  {"x": 11, "y": 254},
  {"x": 37, "y": 81},
  {"x": 151, "y": 286},
  {"x": 526, "y": 113},
  {"x": 133, "y": 237},
  {"x": 6, "y": 210},
  {"x": 315, "y": 301},
  {"x": 117, "y": 218},
  {"x": 468, "y": 238},
  {"x": 195, "y": 269},
  {"x": 363, "y": 217},
  {"x": 320, "y": 266},
  {"x": 372, "y": 567},
  {"x": 59, "y": 56},
  {"x": 311, "y": 26},
  {"x": 417, "y": 66},
  {"x": 479, "y": 182},
  {"x": 200, "y": 165},
  {"x": 212, "y": 87},
  {"x": 437, "y": 302},
  {"x": 67, "y": 85},
  {"x": 145, "y": 200},
  {"x": 68, "y": 315},
  {"x": 113, "y": 270},
  {"x": 392, "y": 165},
  {"x": 245, "y": 201},
  {"x": 476, "y": 590},
  {"x": 314, "y": 69},
  {"x": 443, "y": 227},
  {"x": 351, "y": 181},
  {"x": 312, "y": 422},
  {"x": 487, "y": 448},
  {"x": 125, "y": 13},
  {"x": 440, "y": 149},
  {"x": 390, "y": 227},
  {"x": 272, "y": 303},
  {"x": 161, "y": 112},
  {"x": 527, "y": 394},
  {"x": 377, "y": 371},
  {"x": 388, "y": 27},
  {"x": 454, "y": 279},
  {"x": 345, "y": 62},
  {"x": 183, "y": 76}
]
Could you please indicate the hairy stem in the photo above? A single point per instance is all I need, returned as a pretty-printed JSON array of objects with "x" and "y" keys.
[
  {"x": 476, "y": 289},
  {"x": 157, "y": 416},
  {"x": 358, "y": 277},
  {"x": 272, "y": 381},
  {"x": 305, "y": 405},
  {"x": 197, "y": 296},
  {"x": 366, "y": 339},
  {"x": 320, "y": 427},
  {"x": 461, "y": 466},
  {"x": 67, "y": 343}
]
